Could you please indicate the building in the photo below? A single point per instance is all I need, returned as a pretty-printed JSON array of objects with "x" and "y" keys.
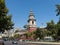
[
  {"x": 31, "y": 22},
  {"x": 31, "y": 27}
]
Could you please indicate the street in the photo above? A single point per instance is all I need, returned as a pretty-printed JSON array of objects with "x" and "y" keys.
[
  {"x": 23, "y": 43},
  {"x": 10, "y": 43}
]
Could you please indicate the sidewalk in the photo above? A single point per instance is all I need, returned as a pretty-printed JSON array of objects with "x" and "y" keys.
[{"x": 43, "y": 42}]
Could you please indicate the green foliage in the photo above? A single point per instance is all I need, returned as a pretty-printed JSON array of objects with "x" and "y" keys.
[
  {"x": 58, "y": 28},
  {"x": 16, "y": 36},
  {"x": 58, "y": 23},
  {"x": 11, "y": 38},
  {"x": 39, "y": 33},
  {"x": 50, "y": 25},
  {"x": 26, "y": 26},
  {"x": 5, "y": 20},
  {"x": 58, "y": 9},
  {"x": 52, "y": 29},
  {"x": 29, "y": 34}
]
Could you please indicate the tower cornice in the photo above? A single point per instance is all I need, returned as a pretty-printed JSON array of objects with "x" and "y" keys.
[{"x": 31, "y": 20}]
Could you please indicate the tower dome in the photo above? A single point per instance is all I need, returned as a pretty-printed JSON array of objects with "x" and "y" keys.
[{"x": 31, "y": 21}]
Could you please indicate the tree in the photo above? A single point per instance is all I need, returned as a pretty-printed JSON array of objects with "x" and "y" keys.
[
  {"x": 58, "y": 23},
  {"x": 58, "y": 31},
  {"x": 39, "y": 33},
  {"x": 50, "y": 25},
  {"x": 26, "y": 26},
  {"x": 52, "y": 29},
  {"x": 5, "y": 19},
  {"x": 11, "y": 38},
  {"x": 58, "y": 9},
  {"x": 58, "y": 28},
  {"x": 29, "y": 34},
  {"x": 16, "y": 36}
]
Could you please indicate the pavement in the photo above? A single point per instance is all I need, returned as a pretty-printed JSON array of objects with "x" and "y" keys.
[
  {"x": 44, "y": 42},
  {"x": 32, "y": 43}
]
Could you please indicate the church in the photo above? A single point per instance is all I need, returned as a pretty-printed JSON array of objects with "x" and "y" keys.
[{"x": 31, "y": 26}]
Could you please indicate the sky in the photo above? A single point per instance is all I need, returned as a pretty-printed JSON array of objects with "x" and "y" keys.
[{"x": 44, "y": 11}]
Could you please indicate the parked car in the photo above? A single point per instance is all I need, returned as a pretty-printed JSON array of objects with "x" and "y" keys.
[
  {"x": 48, "y": 39},
  {"x": 15, "y": 42},
  {"x": 5, "y": 38},
  {"x": 20, "y": 40}
]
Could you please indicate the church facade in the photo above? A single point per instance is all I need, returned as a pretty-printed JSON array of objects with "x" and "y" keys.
[{"x": 31, "y": 27}]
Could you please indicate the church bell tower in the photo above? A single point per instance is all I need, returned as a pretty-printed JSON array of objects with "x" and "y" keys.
[{"x": 31, "y": 22}]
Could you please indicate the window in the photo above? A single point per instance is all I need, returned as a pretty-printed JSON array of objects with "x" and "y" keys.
[{"x": 32, "y": 22}]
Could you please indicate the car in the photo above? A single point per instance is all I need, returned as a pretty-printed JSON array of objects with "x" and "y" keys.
[
  {"x": 20, "y": 40},
  {"x": 5, "y": 38},
  {"x": 48, "y": 39},
  {"x": 14, "y": 42}
]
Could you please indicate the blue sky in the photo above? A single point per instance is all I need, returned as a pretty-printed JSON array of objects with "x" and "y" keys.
[{"x": 44, "y": 11}]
